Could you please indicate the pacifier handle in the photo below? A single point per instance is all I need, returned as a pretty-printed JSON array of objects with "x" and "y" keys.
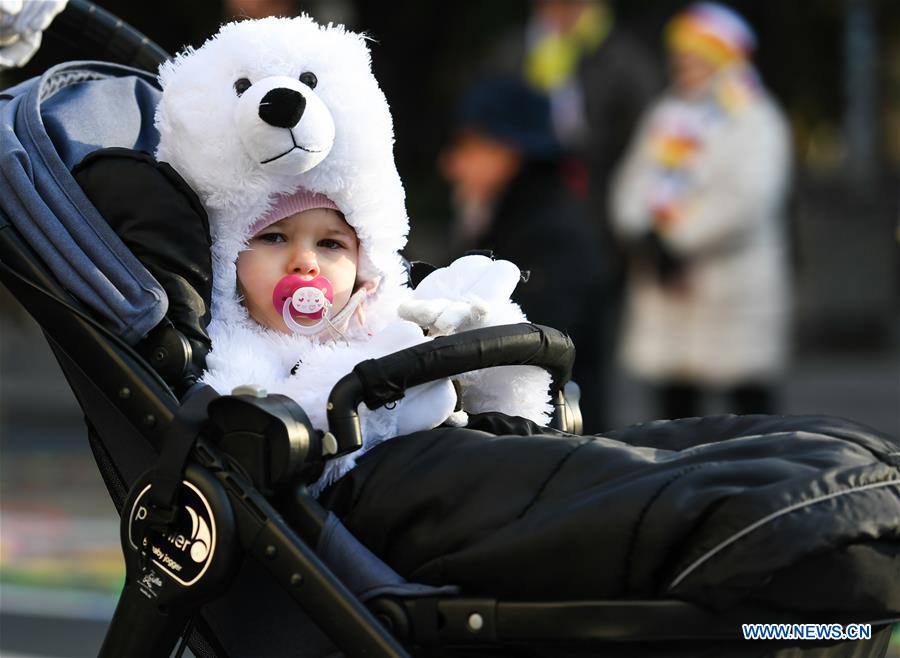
[{"x": 302, "y": 329}]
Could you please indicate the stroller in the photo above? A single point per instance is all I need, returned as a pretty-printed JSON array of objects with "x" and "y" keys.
[{"x": 677, "y": 538}]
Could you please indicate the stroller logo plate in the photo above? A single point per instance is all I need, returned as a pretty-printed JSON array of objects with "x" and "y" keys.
[{"x": 185, "y": 550}]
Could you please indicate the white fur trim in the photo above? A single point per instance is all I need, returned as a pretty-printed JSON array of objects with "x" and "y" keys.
[{"x": 244, "y": 355}]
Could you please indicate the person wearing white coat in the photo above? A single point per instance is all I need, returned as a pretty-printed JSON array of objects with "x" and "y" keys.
[{"x": 699, "y": 201}]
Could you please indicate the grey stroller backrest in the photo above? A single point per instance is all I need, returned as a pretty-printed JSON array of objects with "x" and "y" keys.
[{"x": 50, "y": 124}]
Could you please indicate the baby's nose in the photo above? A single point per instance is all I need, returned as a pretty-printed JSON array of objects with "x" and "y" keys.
[{"x": 305, "y": 264}]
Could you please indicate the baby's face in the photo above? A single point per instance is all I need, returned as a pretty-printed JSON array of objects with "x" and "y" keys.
[{"x": 312, "y": 243}]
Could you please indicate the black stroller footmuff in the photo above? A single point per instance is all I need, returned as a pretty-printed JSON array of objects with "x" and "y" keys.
[{"x": 719, "y": 511}]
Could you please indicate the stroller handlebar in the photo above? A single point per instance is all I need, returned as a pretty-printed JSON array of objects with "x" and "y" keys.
[
  {"x": 87, "y": 28},
  {"x": 380, "y": 381}
]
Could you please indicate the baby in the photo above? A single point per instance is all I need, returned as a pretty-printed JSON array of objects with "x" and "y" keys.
[{"x": 280, "y": 128}]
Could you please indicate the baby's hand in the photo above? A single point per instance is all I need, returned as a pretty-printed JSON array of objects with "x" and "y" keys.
[
  {"x": 442, "y": 317},
  {"x": 459, "y": 297}
]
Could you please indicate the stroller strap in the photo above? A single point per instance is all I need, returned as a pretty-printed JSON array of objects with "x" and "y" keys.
[{"x": 177, "y": 441}]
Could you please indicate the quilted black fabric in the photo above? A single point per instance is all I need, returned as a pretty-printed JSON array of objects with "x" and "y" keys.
[{"x": 802, "y": 512}]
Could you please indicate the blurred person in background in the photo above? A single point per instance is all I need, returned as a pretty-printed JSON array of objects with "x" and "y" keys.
[
  {"x": 336, "y": 11},
  {"x": 700, "y": 200},
  {"x": 234, "y": 9},
  {"x": 504, "y": 168},
  {"x": 599, "y": 80}
]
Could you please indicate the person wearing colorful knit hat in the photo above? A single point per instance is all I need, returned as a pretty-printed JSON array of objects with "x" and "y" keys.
[
  {"x": 712, "y": 32},
  {"x": 700, "y": 200}
]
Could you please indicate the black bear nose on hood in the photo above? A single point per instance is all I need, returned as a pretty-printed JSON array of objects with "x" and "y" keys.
[{"x": 282, "y": 107}]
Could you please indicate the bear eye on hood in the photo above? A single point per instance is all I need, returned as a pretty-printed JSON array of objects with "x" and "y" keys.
[
  {"x": 309, "y": 79},
  {"x": 241, "y": 85}
]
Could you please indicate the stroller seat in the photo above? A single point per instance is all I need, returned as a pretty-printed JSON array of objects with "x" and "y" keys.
[{"x": 660, "y": 539}]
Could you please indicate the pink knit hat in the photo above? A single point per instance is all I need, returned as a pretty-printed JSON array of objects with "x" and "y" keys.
[{"x": 291, "y": 204}]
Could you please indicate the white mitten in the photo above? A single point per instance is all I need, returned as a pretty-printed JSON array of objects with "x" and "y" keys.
[
  {"x": 441, "y": 316},
  {"x": 426, "y": 406},
  {"x": 461, "y": 296},
  {"x": 423, "y": 407},
  {"x": 473, "y": 292}
]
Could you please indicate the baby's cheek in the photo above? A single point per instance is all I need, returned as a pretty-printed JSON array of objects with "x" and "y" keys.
[
  {"x": 244, "y": 270},
  {"x": 251, "y": 270},
  {"x": 251, "y": 288}
]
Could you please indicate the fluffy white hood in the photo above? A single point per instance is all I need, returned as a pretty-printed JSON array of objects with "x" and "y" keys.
[{"x": 212, "y": 133}]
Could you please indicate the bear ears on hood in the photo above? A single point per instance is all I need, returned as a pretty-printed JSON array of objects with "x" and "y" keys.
[{"x": 268, "y": 106}]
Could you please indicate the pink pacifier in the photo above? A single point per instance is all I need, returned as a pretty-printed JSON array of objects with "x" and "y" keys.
[{"x": 303, "y": 298}]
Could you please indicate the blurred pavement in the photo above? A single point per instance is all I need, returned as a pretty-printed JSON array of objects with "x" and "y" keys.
[{"x": 60, "y": 562}]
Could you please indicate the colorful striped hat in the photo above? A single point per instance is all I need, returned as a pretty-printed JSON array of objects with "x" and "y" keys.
[{"x": 712, "y": 31}]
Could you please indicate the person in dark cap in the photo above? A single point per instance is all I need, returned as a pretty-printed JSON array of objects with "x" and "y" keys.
[{"x": 504, "y": 168}]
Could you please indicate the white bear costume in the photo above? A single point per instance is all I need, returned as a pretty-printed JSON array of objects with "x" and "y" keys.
[{"x": 212, "y": 131}]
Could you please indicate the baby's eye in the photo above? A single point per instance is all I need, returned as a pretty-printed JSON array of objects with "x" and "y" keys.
[
  {"x": 271, "y": 238},
  {"x": 328, "y": 243}
]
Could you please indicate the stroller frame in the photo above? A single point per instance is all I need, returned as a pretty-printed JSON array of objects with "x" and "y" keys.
[
  {"x": 119, "y": 391},
  {"x": 151, "y": 627}
]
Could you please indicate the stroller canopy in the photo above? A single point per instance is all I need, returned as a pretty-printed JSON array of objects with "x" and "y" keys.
[{"x": 49, "y": 124}]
